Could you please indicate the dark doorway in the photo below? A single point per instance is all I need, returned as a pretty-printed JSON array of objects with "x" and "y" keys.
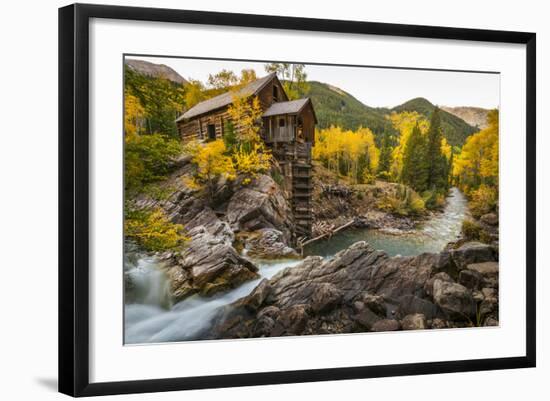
[{"x": 211, "y": 129}]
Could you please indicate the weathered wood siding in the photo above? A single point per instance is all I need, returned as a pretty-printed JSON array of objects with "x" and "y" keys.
[
  {"x": 266, "y": 94},
  {"x": 197, "y": 128},
  {"x": 308, "y": 123}
]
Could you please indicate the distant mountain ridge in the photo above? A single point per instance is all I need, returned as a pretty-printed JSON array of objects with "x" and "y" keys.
[
  {"x": 334, "y": 106},
  {"x": 155, "y": 70},
  {"x": 455, "y": 129},
  {"x": 475, "y": 116}
]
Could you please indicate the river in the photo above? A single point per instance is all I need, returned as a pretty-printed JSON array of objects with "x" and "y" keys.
[{"x": 151, "y": 317}]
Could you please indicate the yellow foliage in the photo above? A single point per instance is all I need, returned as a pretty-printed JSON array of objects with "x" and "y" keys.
[
  {"x": 246, "y": 112},
  {"x": 211, "y": 162},
  {"x": 404, "y": 123},
  {"x": 349, "y": 153},
  {"x": 446, "y": 149},
  {"x": 194, "y": 93},
  {"x": 483, "y": 200},
  {"x": 153, "y": 230},
  {"x": 477, "y": 163},
  {"x": 134, "y": 114},
  {"x": 258, "y": 160}
]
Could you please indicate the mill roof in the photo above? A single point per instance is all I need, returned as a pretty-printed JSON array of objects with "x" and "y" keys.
[{"x": 226, "y": 98}]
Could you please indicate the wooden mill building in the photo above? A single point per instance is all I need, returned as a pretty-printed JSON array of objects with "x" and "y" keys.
[{"x": 287, "y": 128}]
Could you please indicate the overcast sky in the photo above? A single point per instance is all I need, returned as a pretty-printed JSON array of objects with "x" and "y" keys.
[{"x": 376, "y": 87}]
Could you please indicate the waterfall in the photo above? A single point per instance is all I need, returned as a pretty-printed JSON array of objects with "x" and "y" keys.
[{"x": 151, "y": 317}]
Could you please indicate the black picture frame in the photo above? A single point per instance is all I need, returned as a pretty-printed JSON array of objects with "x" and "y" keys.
[{"x": 74, "y": 198}]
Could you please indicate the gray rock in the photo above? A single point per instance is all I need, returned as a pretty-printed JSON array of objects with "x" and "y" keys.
[
  {"x": 375, "y": 303},
  {"x": 490, "y": 219},
  {"x": 410, "y": 304},
  {"x": 386, "y": 325},
  {"x": 259, "y": 205},
  {"x": 208, "y": 264},
  {"x": 256, "y": 298},
  {"x": 478, "y": 296},
  {"x": 326, "y": 296},
  {"x": 366, "y": 318},
  {"x": 416, "y": 321},
  {"x": 293, "y": 320},
  {"x": 470, "y": 279},
  {"x": 489, "y": 305},
  {"x": 472, "y": 252},
  {"x": 488, "y": 271},
  {"x": 428, "y": 287},
  {"x": 454, "y": 299},
  {"x": 266, "y": 243},
  {"x": 438, "y": 324},
  {"x": 352, "y": 292}
]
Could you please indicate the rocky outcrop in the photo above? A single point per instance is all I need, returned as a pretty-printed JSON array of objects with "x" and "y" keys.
[
  {"x": 266, "y": 243},
  {"x": 155, "y": 70},
  {"x": 475, "y": 116},
  {"x": 260, "y": 205},
  {"x": 255, "y": 216},
  {"x": 209, "y": 263},
  {"x": 362, "y": 289}
]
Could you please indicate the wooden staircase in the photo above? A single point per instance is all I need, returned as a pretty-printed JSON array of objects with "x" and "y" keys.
[{"x": 302, "y": 190}]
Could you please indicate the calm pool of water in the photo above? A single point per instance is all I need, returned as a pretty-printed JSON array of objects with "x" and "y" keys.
[{"x": 432, "y": 236}]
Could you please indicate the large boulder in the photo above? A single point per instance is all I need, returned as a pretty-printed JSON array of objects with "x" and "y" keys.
[
  {"x": 266, "y": 243},
  {"x": 412, "y": 305},
  {"x": 490, "y": 219},
  {"x": 472, "y": 252},
  {"x": 363, "y": 289},
  {"x": 487, "y": 273},
  {"x": 208, "y": 264},
  {"x": 386, "y": 325},
  {"x": 354, "y": 291},
  {"x": 454, "y": 299},
  {"x": 261, "y": 204}
]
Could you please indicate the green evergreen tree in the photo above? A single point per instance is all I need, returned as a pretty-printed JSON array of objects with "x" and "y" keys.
[
  {"x": 415, "y": 167},
  {"x": 384, "y": 164},
  {"x": 450, "y": 169},
  {"x": 436, "y": 161}
]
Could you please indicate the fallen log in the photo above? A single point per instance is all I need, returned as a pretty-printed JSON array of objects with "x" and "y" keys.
[{"x": 328, "y": 234}]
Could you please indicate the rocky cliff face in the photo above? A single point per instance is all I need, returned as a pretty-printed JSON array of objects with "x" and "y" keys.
[
  {"x": 475, "y": 116},
  {"x": 155, "y": 70},
  {"x": 256, "y": 217},
  {"x": 362, "y": 289}
]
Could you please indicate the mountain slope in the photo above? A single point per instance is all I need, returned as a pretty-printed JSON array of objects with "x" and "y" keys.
[
  {"x": 475, "y": 116},
  {"x": 333, "y": 106},
  {"x": 155, "y": 70},
  {"x": 455, "y": 129}
]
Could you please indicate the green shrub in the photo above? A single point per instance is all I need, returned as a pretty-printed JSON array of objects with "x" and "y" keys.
[
  {"x": 368, "y": 177},
  {"x": 229, "y": 136},
  {"x": 384, "y": 176},
  {"x": 471, "y": 230},
  {"x": 402, "y": 201},
  {"x": 147, "y": 158},
  {"x": 433, "y": 199}
]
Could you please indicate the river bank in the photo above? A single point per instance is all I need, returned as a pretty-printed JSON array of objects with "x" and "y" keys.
[{"x": 154, "y": 314}]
